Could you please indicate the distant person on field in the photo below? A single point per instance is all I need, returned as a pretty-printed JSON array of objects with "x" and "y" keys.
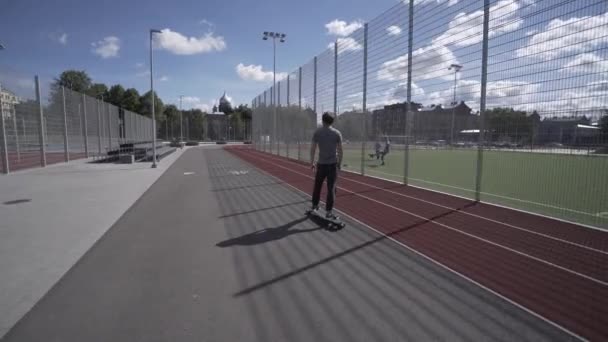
[
  {"x": 386, "y": 150},
  {"x": 329, "y": 141},
  {"x": 377, "y": 149}
]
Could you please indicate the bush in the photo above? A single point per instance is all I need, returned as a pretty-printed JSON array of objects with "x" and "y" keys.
[
  {"x": 192, "y": 143},
  {"x": 221, "y": 142}
]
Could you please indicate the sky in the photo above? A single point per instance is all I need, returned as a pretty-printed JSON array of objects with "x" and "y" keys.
[
  {"x": 203, "y": 42},
  {"x": 545, "y": 55}
]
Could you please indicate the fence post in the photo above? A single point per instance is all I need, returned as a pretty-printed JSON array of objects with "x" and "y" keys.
[
  {"x": 41, "y": 124},
  {"x": 3, "y": 145},
  {"x": 408, "y": 112},
  {"x": 299, "y": 107},
  {"x": 16, "y": 132},
  {"x": 482, "y": 98},
  {"x": 364, "y": 105},
  {"x": 278, "y": 104},
  {"x": 315, "y": 88},
  {"x": 85, "y": 126},
  {"x": 109, "y": 126},
  {"x": 289, "y": 135},
  {"x": 66, "y": 152},
  {"x": 99, "y": 123},
  {"x": 336, "y": 79}
]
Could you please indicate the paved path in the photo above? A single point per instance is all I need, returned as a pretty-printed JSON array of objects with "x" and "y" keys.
[
  {"x": 49, "y": 217},
  {"x": 217, "y": 251}
]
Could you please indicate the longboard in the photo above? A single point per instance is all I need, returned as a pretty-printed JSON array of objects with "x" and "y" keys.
[{"x": 330, "y": 224}]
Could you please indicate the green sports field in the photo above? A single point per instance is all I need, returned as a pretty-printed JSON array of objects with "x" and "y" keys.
[{"x": 571, "y": 187}]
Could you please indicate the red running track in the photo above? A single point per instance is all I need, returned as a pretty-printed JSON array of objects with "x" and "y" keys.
[{"x": 557, "y": 270}]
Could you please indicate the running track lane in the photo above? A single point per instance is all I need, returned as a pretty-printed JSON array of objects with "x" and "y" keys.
[{"x": 555, "y": 269}]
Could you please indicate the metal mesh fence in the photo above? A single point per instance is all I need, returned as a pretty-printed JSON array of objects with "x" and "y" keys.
[
  {"x": 504, "y": 101},
  {"x": 42, "y": 123}
]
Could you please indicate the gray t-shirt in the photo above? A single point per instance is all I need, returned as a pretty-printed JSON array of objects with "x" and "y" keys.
[{"x": 328, "y": 139}]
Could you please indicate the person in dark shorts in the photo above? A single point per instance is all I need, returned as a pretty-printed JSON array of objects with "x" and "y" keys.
[{"x": 329, "y": 141}]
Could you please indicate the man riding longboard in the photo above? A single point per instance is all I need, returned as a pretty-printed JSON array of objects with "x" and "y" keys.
[{"x": 329, "y": 141}]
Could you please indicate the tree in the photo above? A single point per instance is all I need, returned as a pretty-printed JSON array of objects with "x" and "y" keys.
[
  {"x": 77, "y": 80},
  {"x": 146, "y": 106},
  {"x": 171, "y": 112},
  {"x": 97, "y": 90},
  {"x": 116, "y": 95},
  {"x": 509, "y": 124},
  {"x": 130, "y": 100}
]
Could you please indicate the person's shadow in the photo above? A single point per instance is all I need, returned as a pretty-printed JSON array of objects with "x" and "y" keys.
[{"x": 267, "y": 234}]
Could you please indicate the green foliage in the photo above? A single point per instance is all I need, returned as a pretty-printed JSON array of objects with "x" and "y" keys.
[
  {"x": 146, "y": 106},
  {"x": 98, "y": 90},
  {"x": 509, "y": 124},
  {"x": 171, "y": 113},
  {"x": 77, "y": 80},
  {"x": 130, "y": 100},
  {"x": 116, "y": 95}
]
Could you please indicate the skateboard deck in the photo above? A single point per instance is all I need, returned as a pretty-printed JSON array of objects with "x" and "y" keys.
[{"x": 330, "y": 223}]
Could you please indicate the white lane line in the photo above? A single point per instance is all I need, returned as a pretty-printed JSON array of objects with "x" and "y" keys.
[
  {"x": 447, "y": 268},
  {"x": 188, "y": 173},
  {"x": 477, "y": 216},
  {"x": 548, "y": 263}
]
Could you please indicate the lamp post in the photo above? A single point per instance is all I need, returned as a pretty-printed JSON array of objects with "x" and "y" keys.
[
  {"x": 456, "y": 68},
  {"x": 152, "y": 32},
  {"x": 181, "y": 120},
  {"x": 281, "y": 38}
]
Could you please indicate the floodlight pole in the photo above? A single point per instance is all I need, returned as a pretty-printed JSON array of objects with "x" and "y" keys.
[
  {"x": 281, "y": 37},
  {"x": 152, "y": 32},
  {"x": 456, "y": 68}
]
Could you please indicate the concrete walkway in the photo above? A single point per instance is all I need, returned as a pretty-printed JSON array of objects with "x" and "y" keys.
[
  {"x": 49, "y": 217},
  {"x": 217, "y": 251}
]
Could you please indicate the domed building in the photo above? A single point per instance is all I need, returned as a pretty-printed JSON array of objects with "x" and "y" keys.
[{"x": 225, "y": 104}]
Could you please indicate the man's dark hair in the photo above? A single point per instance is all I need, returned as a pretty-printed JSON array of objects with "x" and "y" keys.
[{"x": 327, "y": 119}]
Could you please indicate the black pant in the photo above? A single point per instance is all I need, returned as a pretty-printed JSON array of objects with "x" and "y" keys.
[{"x": 330, "y": 172}]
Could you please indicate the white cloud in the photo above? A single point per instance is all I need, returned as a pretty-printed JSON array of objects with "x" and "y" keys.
[
  {"x": 586, "y": 63},
  {"x": 450, "y": 2},
  {"x": 256, "y": 73},
  {"x": 63, "y": 39},
  {"x": 428, "y": 62},
  {"x": 466, "y": 29},
  {"x": 531, "y": 32},
  {"x": 598, "y": 87},
  {"x": 208, "y": 23},
  {"x": 163, "y": 78},
  {"x": 517, "y": 94},
  {"x": 143, "y": 73},
  {"x": 179, "y": 44},
  {"x": 107, "y": 47},
  {"x": 592, "y": 98},
  {"x": 560, "y": 37},
  {"x": 197, "y": 103},
  {"x": 346, "y": 44},
  {"x": 59, "y": 37},
  {"x": 342, "y": 28},
  {"x": 397, "y": 94},
  {"x": 191, "y": 99},
  {"x": 393, "y": 30},
  {"x": 139, "y": 65}
]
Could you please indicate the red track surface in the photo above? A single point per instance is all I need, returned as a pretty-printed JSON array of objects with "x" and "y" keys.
[{"x": 555, "y": 269}]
